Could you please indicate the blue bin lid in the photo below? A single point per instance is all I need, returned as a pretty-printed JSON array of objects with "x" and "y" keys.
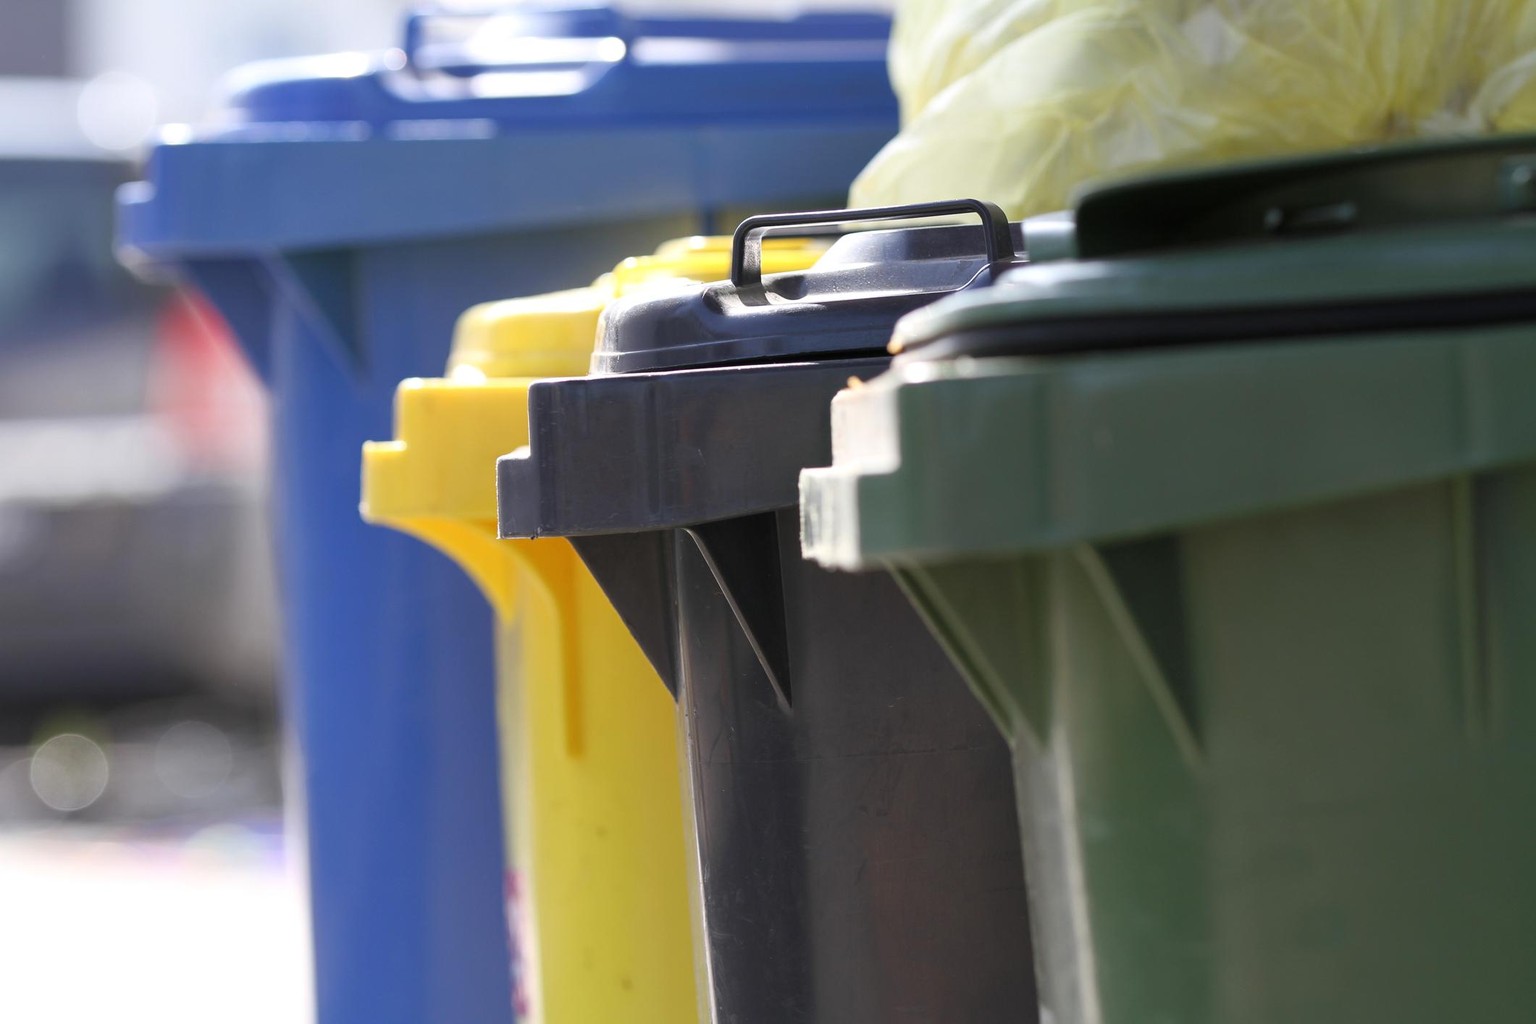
[
  {"x": 594, "y": 64},
  {"x": 535, "y": 116}
]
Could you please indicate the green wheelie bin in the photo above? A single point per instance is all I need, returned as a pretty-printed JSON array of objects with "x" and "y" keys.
[{"x": 1230, "y": 521}]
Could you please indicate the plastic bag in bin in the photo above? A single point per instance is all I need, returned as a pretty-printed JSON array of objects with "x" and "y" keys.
[{"x": 1022, "y": 101}]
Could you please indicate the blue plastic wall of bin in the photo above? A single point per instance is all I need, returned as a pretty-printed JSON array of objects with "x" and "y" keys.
[{"x": 341, "y": 248}]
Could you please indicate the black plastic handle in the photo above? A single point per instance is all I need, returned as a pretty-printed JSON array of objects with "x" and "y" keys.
[{"x": 747, "y": 243}]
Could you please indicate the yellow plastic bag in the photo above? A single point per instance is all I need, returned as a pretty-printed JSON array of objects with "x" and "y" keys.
[
  {"x": 598, "y": 890},
  {"x": 1022, "y": 101}
]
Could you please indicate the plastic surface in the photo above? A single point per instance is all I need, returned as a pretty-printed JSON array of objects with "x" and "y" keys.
[
  {"x": 589, "y": 753},
  {"x": 844, "y": 306},
  {"x": 1247, "y": 614},
  {"x": 1023, "y": 102},
  {"x": 854, "y": 822},
  {"x": 343, "y": 279}
]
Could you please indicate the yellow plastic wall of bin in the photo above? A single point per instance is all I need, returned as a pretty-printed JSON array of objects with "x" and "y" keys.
[{"x": 598, "y": 869}]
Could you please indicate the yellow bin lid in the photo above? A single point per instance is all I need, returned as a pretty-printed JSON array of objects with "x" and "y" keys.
[{"x": 450, "y": 430}]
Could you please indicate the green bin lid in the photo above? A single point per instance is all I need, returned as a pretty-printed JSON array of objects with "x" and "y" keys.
[{"x": 1418, "y": 235}]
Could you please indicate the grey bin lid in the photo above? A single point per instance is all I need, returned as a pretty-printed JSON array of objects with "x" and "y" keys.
[
  {"x": 844, "y": 306},
  {"x": 709, "y": 401}
]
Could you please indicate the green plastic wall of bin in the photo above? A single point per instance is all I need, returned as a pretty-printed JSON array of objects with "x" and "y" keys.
[{"x": 1256, "y": 617}]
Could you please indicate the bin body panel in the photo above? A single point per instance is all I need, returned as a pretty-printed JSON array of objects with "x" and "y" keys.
[
  {"x": 856, "y": 845},
  {"x": 591, "y": 766},
  {"x": 1345, "y": 839},
  {"x": 853, "y": 809}
]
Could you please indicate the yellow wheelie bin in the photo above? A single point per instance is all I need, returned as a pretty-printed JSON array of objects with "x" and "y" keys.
[{"x": 598, "y": 867}]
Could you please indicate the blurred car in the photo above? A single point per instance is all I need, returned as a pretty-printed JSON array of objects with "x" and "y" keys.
[{"x": 132, "y": 559}]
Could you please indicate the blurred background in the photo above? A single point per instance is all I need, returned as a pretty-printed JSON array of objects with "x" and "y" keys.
[{"x": 144, "y": 869}]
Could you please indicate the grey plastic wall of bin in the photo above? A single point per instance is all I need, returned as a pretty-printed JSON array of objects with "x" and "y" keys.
[{"x": 856, "y": 834}]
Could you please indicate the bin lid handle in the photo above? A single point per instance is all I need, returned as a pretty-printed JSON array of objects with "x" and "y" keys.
[
  {"x": 747, "y": 243},
  {"x": 545, "y": 37}
]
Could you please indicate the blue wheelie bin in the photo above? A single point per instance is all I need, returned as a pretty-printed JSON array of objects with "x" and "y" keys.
[{"x": 340, "y": 214}]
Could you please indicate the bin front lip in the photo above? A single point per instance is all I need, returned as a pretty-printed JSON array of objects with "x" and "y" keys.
[
  {"x": 1126, "y": 446},
  {"x": 628, "y": 453}
]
